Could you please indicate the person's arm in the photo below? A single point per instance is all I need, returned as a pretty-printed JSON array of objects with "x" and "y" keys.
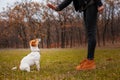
[
  {"x": 61, "y": 6},
  {"x": 64, "y": 4},
  {"x": 99, "y": 3}
]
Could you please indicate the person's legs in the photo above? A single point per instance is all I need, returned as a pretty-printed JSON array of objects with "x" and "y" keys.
[{"x": 90, "y": 19}]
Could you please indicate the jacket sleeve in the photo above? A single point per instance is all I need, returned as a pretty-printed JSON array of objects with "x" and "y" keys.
[
  {"x": 98, "y": 2},
  {"x": 64, "y": 4}
]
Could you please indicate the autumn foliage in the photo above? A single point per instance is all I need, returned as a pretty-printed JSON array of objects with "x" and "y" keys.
[{"x": 29, "y": 20}]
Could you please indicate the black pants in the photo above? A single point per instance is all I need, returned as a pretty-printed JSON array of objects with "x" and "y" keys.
[{"x": 90, "y": 19}]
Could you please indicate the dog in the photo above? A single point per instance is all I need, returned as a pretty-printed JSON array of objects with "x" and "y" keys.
[{"x": 32, "y": 58}]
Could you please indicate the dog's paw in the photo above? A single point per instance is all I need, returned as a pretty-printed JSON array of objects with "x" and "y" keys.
[{"x": 38, "y": 69}]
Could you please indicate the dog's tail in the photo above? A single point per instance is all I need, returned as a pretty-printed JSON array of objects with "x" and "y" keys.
[{"x": 14, "y": 68}]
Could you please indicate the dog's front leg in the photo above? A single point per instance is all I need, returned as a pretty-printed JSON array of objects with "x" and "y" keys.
[{"x": 37, "y": 65}]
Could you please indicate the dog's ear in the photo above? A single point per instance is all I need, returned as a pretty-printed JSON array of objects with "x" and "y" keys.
[{"x": 33, "y": 43}]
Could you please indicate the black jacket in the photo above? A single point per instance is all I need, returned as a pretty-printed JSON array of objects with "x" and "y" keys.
[
  {"x": 65, "y": 3},
  {"x": 76, "y": 4}
]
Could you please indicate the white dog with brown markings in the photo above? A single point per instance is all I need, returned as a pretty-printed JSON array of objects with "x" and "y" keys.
[{"x": 32, "y": 58}]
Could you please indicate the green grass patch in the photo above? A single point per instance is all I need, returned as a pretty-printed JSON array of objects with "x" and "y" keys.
[{"x": 59, "y": 64}]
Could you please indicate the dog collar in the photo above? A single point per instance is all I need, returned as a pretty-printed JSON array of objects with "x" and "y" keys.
[{"x": 35, "y": 51}]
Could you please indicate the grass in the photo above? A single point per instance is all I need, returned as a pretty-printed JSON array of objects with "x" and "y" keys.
[{"x": 59, "y": 64}]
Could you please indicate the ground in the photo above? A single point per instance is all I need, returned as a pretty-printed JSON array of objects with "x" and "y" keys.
[{"x": 59, "y": 64}]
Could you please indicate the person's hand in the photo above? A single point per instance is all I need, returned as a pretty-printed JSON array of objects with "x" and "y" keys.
[
  {"x": 100, "y": 9},
  {"x": 51, "y": 6},
  {"x": 54, "y": 8}
]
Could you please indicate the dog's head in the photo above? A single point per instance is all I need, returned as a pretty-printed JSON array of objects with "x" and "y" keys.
[{"x": 35, "y": 42}]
